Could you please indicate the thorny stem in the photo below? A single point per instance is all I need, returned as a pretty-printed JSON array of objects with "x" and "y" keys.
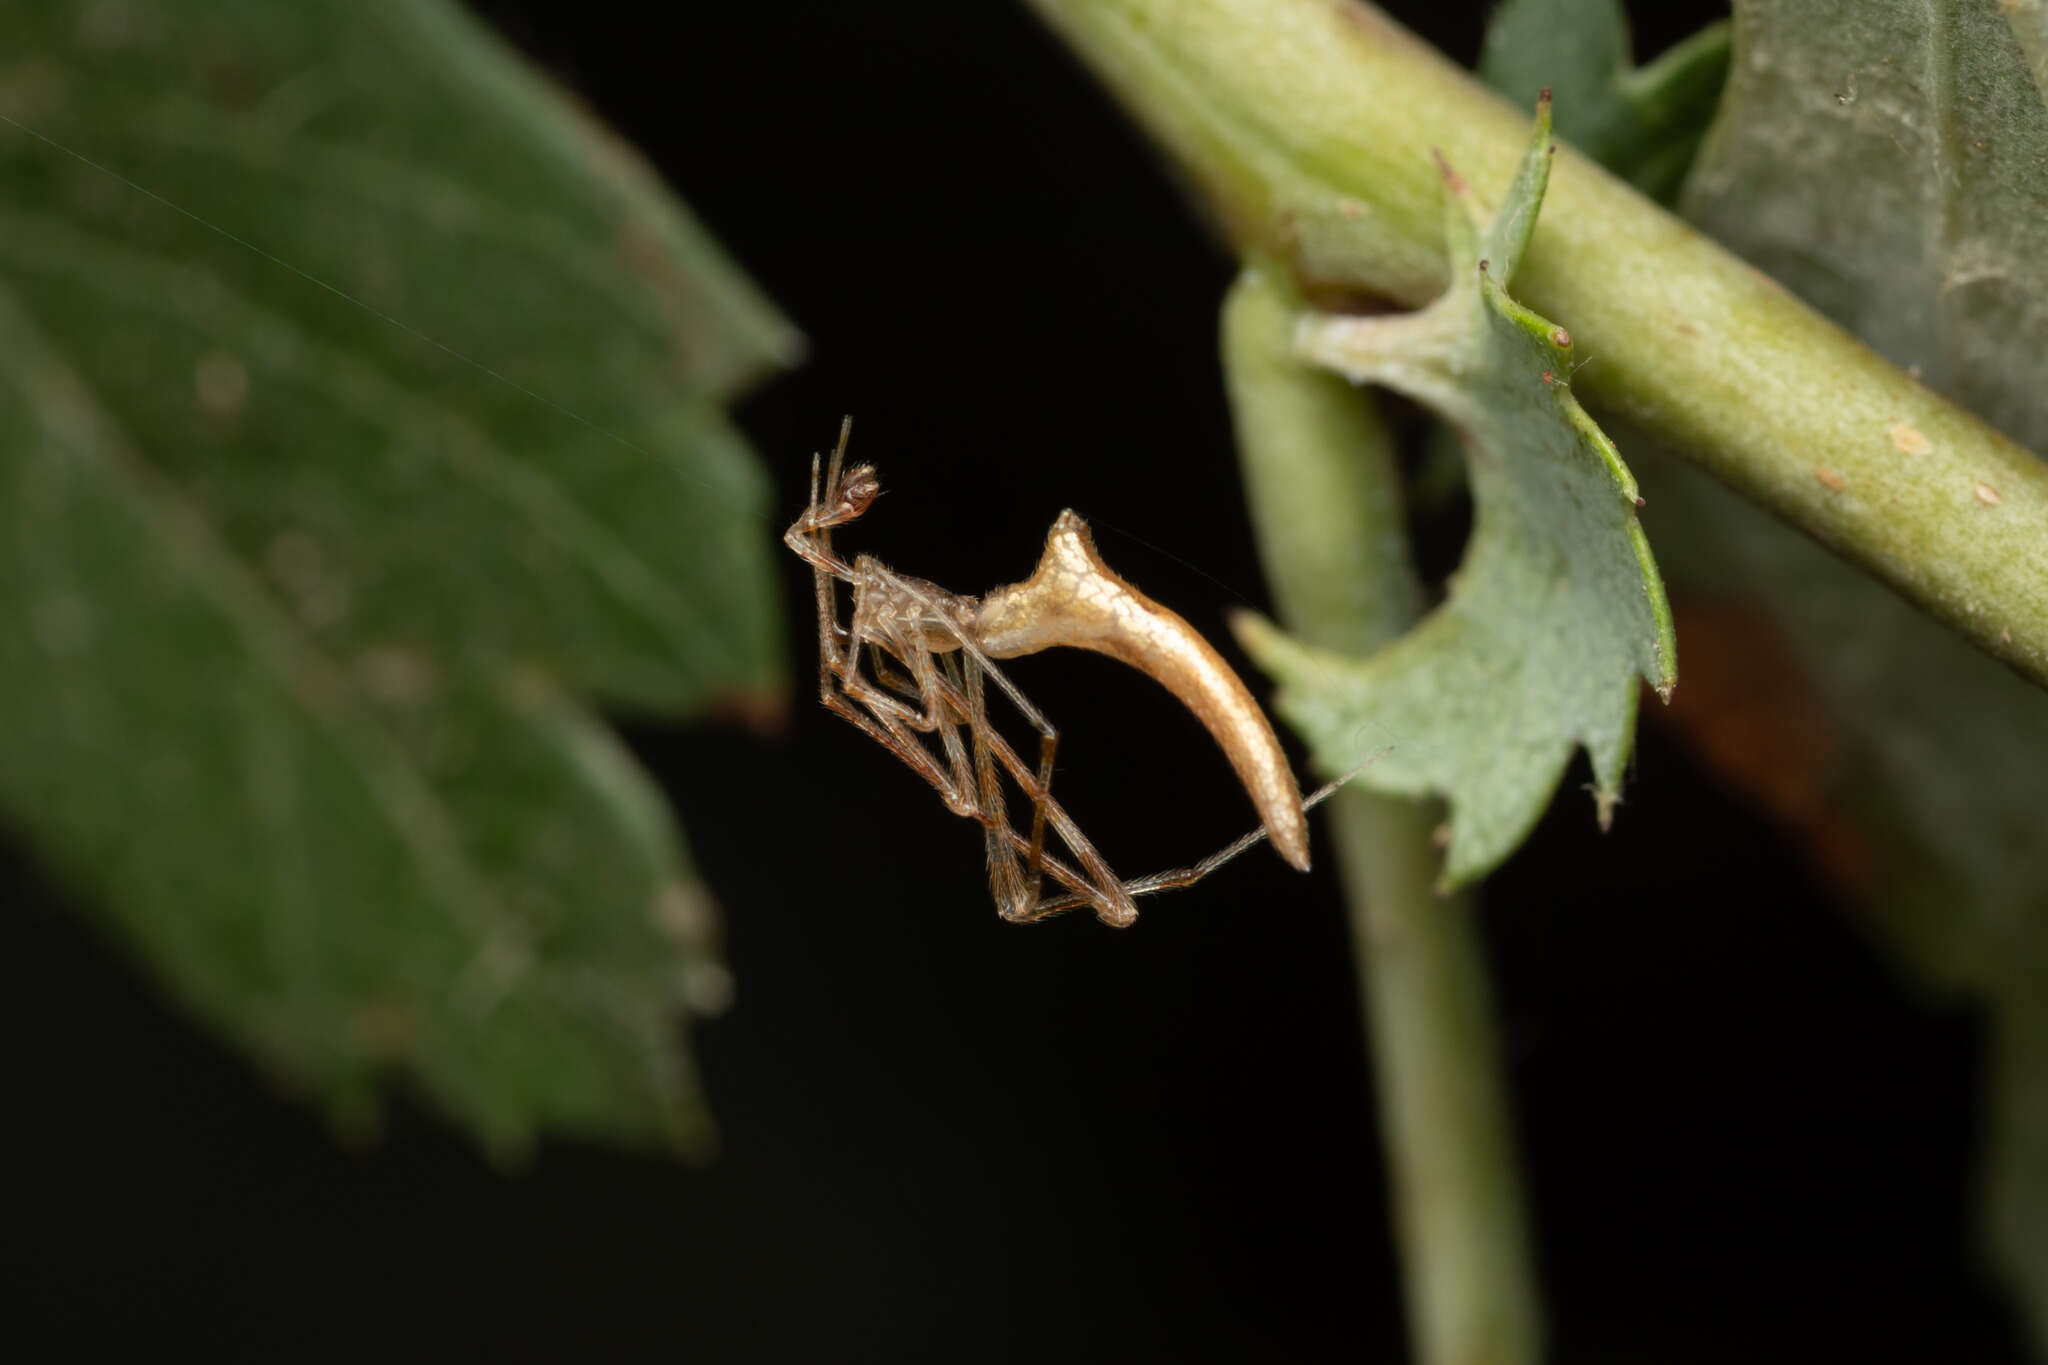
[
  {"x": 1324, "y": 498},
  {"x": 1307, "y": 126}
]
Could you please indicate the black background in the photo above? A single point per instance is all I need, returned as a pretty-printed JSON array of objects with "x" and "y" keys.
[{"x": 1746, "y": 1134}]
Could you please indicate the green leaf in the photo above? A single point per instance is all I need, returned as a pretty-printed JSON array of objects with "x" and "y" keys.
[
  {"x": 361, "y": 416},
  {"x": 1933, "y": 759},
  {"x": 2028, "y": 20},
  {"x": 1557, "y": 609},
  {"x": 1889, "y": 164},
  {"x": 1642, "y": 123}
]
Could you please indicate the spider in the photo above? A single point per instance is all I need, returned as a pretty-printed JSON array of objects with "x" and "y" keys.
[{"x": 932, "y": 655}]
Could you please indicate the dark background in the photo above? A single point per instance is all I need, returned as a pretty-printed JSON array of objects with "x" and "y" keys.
[{"x": 1746, "y": 1134}]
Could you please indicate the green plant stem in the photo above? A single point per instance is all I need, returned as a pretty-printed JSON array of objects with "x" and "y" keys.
[
  {"x": 1307, "y": 126},
  {"x": 1451, "y": 1166},
  {"x": 1324, "y": 495}
]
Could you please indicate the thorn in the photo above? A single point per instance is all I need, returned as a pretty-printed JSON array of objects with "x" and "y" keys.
[{"x": 1641, "y": 501}]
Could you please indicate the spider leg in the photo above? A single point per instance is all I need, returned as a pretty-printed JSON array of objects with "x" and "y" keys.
[
  {"x": 840, "y": 684},
  {"x": 940, "y": 717},
  {"x": 1174, "y": 880},
  {"x": 906, "y": 747},
  {"x": 880, "y": 628},
  {"x": 813, "y": 544},
  {"x": 827, "y": 570},
  {"x": 886, "y": 675},
  {"x": 1017, "y": 901},
  {"x": 1016, "y": 888},
  {"x": 883, "y": 630},
  {"x": 829, "y": 631},
  {"x": 838, "y": 458},
  {"x": 1101, "y": 890}
]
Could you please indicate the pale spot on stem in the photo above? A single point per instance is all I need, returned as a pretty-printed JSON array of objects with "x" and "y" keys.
[{"x": 1909, "y": 440}]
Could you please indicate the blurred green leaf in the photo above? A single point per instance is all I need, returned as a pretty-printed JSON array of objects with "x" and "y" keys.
[
  {"x": 1642, "y": 123},
  {"x": 1557, "y": 610},
  {"x": 2028, "y": 20},
  {"x": 1934, "y": 763},
  {"x": 1888, "y": 162},
  {"x": 315, "y": 531}
]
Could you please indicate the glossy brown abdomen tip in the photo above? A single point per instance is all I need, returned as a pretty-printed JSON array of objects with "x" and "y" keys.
[
  {"x": 1292, "y": 841},
  {"x": 1277, "y": 799}
]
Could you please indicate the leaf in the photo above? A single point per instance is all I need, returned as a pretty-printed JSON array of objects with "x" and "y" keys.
[
  {"x": 2028, "y": 20},
  {"x": 1889, "y": 164},
  {"x": 1642, "y": 123},
  {"x": 1557, "y": 608},
  {"x": 360, "y": 416},
  {"x": 1926, "y": 806}
]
